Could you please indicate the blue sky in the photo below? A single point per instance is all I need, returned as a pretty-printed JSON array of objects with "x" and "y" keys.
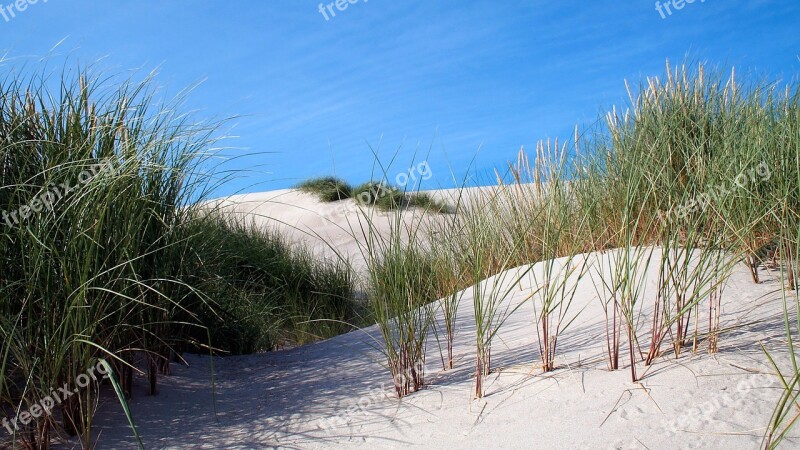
[{"x": 461, "y": 83}]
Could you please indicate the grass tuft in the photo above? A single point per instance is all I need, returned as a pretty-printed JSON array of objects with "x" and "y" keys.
[{"x": 327, "y": 189}]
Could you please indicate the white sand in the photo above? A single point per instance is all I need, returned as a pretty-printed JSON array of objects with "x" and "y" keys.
[
  {"x": 330, "y": 230},
  {"x": 338, "y": 394}
]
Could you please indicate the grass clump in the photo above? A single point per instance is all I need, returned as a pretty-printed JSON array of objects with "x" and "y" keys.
[
  {"x": 93, "y": 273},
  {"x": 377, "y": 194},
  {"x": 387, "y": 198},
  {"x": 327, "y": 189},
  {"x": 265, "y": 292},
  {"x": 127, "y": 267},
  {"x": 401, "y": 288},
  {"x": 545, "y": 189},
  {"x": 381, "y": 195},
  {"x": 427, "y": 202},
  {"x": 696, "y": 175}
]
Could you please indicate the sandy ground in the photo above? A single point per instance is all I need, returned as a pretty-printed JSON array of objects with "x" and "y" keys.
[
  {"x": 337, "y": 393},
  {"x": 331, "y": 230}
]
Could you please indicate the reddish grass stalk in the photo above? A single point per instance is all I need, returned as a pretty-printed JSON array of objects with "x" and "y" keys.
[
  {"x": 163, "y": 363},
  {"x": 613, "y": 336},
  {"x": 544, "y": 340},
  {"x": 715, "y": 303},
  {"x": 545, "y": 349},
  {"x": 482, "y": 371},
  {"x": 752, "y": 264},
  {"x": 408, "y": 376},
  {"x": 479, "y": 369},
  {"x": 631, "y": 344},
  {"x": 792, "y": 278},
  {"x": 449, "y": 364},
  {"x": 152, "y": 369},
  {"x": 450, "y": 309},
  {"x": 38, "y": 437},
  {"x": 684, "y": 319},
  {"x": 548, "y": 344},
  {"x": 657, "y": 331}
]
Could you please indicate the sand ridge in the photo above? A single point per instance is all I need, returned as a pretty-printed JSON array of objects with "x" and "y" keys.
[{"x": 338, "y": 394}]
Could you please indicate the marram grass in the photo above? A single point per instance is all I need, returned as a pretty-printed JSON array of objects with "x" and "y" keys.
[
  {"x": 126, "y": 264},
  {"x": 127, "y": 268},
  {"x": 698, "y": 165}
]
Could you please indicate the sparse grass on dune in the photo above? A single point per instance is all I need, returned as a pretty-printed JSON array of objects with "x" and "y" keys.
[
  {"x": 372, "y": 193},
  {"x": 556, "y": 235},
  {"x": 129, "y": 267},
  {"x": 401, "y": 287},
  {"x": 699, "y": 165},
  {"x": 327, "y": 189}
]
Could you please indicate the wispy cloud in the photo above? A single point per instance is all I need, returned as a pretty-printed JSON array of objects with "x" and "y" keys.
[{"x": 463, "y": 75}]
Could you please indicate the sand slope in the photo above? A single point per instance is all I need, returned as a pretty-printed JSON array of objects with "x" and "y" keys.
[{"x": 338, "y": 394}]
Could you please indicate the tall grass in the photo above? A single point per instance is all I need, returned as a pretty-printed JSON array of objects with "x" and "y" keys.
[
  {"x": 401, "y": 292},
  {"x": 698, "y": 173},
  {"x": 543, "y": 195},
  {"x": 449, "y": 277},
  {"x": 682, "y": 183},
  {"x": 485, "y": 252},
  {"x": 266, "y": 292},
  {"x": 786, "y": 184},
  {"x": 109, "y": 255},
  {"x": 96, "y": 273},
  {"x": 787, "y": 409},
  {"x": 691, "y": 150}
]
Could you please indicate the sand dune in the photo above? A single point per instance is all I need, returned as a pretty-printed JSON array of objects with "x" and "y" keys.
[
  {"x": 337, "y": 393},
  {"x": 330, "y": 230}
]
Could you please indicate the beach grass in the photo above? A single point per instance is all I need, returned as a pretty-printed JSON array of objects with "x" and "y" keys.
[
  {"x": 693, "y": 166},
  {"x": 378, "y": 194},
  {"x": 696, "y": 174},
  {"x": 327, "y": 189},
  {"x": 109, "y": 255},
  {"x": 267, "y": 293},
  {"x": 401, "y": 290}
]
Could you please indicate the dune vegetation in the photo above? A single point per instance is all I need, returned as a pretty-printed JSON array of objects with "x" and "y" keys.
[
  {"x": 698, "y": 165},
  {"x": 378, "y": 194},
  {"x": 131, "y": 267},
  {"x": 108, "y": 257}
]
